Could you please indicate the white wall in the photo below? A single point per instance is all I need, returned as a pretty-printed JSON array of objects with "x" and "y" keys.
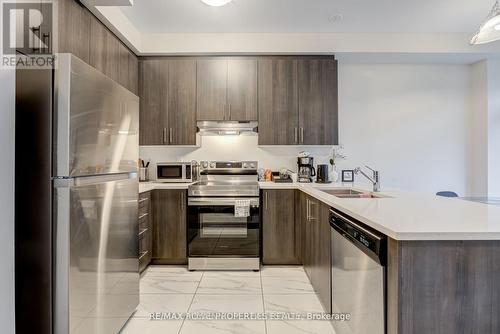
[
  {"x": 234, "y": 148},
  {"x": 493, "y": 128},
  {"x": 478, "y": 130},
  {"x": 7, "y": 109},
  {"x": 409, "y": 121}
]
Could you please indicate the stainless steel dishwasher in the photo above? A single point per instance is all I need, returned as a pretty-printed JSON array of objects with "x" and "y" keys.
[{"x": 358, "y": 275}]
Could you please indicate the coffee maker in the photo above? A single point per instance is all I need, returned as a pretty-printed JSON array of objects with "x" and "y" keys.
[{"x": 306, "y": 169}]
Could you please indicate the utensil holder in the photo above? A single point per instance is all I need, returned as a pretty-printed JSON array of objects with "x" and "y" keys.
[{"x": 143, "y": 174}]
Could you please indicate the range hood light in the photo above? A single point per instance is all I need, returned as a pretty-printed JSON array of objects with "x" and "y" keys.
[
  {"x": 490, "y": 29},
  {"x": 229, "y": 133}
]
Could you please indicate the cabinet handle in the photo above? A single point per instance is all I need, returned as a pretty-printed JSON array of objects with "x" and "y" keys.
[
  {"x": 307, "y": 209},
  {"x": 302, "y": 135},
  {"x": 164, "y": 135},
  {"x": 266, "y": 197},
  {"x": 171, "y": 136},
  {"x": 180, "y": 201},
  {"x": 229, "y": 111},
  {"x": 296, "y": 135},
  {"x": 311, "y": 217}
]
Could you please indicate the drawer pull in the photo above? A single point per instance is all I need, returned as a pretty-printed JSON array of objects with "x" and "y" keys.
[
  {"x": 142, "y": 232},
  {"x": 143, "y": 254},
  {"x": 143, "y": 215}
]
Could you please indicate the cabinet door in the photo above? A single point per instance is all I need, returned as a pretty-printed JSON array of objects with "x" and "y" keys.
[
  {"x": 169, "y": 226},
  {"x": 278, "y": 228},
  {"x": 181, "y": 102},
  {"x": 278, "y": 101},
  {"x": 322, "y": 267},
  {"x": 133, "y": 73},
  {"x": 318, "y": 101},
  {"x": 242, "y": 89},
  {"x": 105, "y": 50},
  {"x": 123, "y": 65},
  {"x": 74, "y": 34},
  {"x": 152, "y": 116},
  {"x": 212, "y": 90},
  {"x": 306, "y": 233}
]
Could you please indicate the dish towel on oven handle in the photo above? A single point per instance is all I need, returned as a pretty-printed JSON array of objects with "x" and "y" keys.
[{"x": 242, "y": 208}]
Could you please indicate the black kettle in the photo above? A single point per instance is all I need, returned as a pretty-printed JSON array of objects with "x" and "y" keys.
[{"x": 322, "y": 174}]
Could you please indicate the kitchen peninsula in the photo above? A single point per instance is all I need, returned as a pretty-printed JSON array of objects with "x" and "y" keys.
[{"x": 443, "y": 267}]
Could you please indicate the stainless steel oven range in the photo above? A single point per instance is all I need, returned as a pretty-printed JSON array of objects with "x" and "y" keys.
[{"x": 224, "y": 217}]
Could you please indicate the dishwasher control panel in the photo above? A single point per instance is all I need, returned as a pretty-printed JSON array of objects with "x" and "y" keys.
[{"x": 365, "y": 237}]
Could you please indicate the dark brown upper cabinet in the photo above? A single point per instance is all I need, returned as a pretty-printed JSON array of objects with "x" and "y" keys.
[
  {"x": 278, "y": 102},
  {"x": 227, "y": 89},
  {"x": 298, "y": 103},
  {"x": 242, "y": 89},
  {"x": 133, "y": 73},
  {"x": 318, "y": 101},
  {"x": 181, "y": 102},
  {"x": 104, "y": 53},
  {"x": 212, "y": 90},
  {"x": 74, "y": 32},
  {"x": 168, "y": 101},
  {"x": 83, "y": 35},
  {"x": 152, "y": 114}
]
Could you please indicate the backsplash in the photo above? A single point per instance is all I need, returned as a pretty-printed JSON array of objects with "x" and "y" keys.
[{"x": 234, "y": 148}]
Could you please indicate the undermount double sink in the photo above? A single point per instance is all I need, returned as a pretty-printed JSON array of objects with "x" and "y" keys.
[{"x": 351, "y": 193}]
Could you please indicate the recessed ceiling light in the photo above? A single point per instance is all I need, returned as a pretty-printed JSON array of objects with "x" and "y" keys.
[{"x": 216, "y": 3}]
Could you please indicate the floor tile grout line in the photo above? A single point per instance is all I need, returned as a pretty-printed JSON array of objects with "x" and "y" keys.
[
  {"x": 263, "y": 301},
  {"x": 192, "y": 299}
]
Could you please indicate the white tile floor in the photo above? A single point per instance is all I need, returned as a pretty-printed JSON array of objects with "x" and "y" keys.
[{"x": 273, "y": 289}]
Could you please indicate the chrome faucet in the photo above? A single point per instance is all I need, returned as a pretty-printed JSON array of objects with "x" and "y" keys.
[{"x": 375, "y": 179}]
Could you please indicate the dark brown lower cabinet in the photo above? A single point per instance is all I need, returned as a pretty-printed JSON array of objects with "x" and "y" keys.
[
  {"x": 316, "y": 256},
  {"x": 445, "y": 287},
  {"x": 169, "y": 226},
  {"x": 145, "y": 231},
  {"x": 280, "y": 237}
]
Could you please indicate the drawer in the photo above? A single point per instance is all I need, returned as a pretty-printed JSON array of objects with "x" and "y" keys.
[
  {"x": 144, "y": 203},
  {"x": 143, "y": 239},
  {"x": 144, "y": 220}
]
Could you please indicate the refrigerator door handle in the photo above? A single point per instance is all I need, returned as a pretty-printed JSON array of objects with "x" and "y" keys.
[{"x": 66, "y": 182}]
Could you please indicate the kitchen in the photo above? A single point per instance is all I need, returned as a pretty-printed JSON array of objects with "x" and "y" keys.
[{"x": 225, "y": 168}]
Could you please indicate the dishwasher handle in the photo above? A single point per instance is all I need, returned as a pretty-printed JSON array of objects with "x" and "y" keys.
[{"x": 370, "y": 242}]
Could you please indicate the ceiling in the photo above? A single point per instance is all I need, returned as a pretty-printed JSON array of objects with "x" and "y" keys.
[{"x": 308, "y": 16}]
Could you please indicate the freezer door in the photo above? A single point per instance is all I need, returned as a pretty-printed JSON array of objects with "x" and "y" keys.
[
  {"x": 97, "y": 254},
  {"x": 96, "y": 121}
]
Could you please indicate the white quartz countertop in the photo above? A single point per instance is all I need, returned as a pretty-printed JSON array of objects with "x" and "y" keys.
[
  {"x": 148, "y": 186},
  {"x": 400, "y": 215}
]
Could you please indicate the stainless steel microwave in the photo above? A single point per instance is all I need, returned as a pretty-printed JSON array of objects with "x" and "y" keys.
[{"x": 175, "y": 172}]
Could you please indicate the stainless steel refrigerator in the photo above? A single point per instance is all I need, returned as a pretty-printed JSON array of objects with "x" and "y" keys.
[{"x": 77, "y": 252}]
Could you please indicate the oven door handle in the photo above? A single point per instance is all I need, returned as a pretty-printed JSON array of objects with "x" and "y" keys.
[{"x": 220, "y": 201}]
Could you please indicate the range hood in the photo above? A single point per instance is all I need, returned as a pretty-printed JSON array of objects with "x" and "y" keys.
[{"x": 227, "y": 128}]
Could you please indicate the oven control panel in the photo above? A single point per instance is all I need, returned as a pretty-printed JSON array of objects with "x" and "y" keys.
[{"x": 228, "y": 165}]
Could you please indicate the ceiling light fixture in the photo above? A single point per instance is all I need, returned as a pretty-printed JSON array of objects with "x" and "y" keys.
[
  {"x": 216, "y": 3},
  {"x": 490, "y": 29}
]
